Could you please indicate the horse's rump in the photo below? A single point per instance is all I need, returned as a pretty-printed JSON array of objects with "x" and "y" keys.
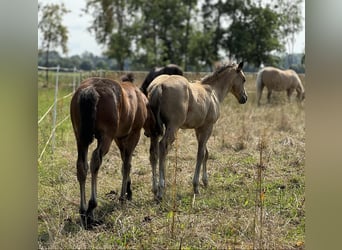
[
  {"x": 169, "y": 97},
  {"x": 88, "y": 99}
]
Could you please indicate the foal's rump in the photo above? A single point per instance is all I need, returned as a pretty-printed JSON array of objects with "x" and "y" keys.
[
  {"x": 168, "y": 98},
  {"x": 106, "y": 105}
]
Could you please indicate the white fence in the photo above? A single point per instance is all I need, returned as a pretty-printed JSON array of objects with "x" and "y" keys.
[{"x": 53, "y": 107}]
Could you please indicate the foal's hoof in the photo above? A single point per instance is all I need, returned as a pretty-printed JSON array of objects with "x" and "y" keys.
[
  {"x": 158, "y": 199},
  {"x": 196, "y": 191},
  {"x": 89, "y": 223},
  {"x": 92, "y": 224},
  {"x": 122, "y": 200}
]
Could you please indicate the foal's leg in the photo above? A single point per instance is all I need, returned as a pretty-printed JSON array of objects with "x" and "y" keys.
[
  {"x": 103, "y": 145},
  {"x": 127, "y": 146},
  {"x": 82, "y": 169},
  {"x": 164, "y": 147},
  {"x": 269, "y": 93},
  {"x": 154, "y": 153},
  {"x": 204, "y": 171},
  {"x": 202, "y": 135}
]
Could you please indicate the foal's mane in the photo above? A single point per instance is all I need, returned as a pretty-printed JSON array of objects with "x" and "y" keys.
[{"x": 213, "y": 76}]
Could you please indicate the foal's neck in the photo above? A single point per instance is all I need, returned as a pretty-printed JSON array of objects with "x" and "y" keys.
[{"x": 220, "y": 87}]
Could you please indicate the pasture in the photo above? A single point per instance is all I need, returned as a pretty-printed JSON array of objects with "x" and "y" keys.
[{"x": 255, "y": 197}]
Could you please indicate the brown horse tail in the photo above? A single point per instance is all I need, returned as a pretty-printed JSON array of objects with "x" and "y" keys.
[
  {"x": 88, "y": 100},
  {"x": 154, "y": 102}
]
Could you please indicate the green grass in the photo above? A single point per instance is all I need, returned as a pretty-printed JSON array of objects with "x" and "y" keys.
[{"x": 221, "y": 217}]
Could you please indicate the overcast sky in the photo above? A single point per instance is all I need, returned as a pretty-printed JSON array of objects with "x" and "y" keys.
[{"x": 80, "y": 40}]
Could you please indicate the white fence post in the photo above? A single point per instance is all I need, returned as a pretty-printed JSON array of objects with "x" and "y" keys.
[
  {"x": 74, "y": 80},
  {"x": 55, "y": 111}
]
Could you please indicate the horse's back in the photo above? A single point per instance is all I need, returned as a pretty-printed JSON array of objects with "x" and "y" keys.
[
  {"x": 189, "y": 105},
  {"x": 120, "y": 108},
  {"x": 277, "y": 79}
]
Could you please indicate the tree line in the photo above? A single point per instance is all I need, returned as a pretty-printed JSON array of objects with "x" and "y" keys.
[
  {"x": 87, "y": 61},
  {"x": 140, "y": 34}
]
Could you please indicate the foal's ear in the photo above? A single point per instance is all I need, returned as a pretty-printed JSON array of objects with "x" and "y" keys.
[{"x": 239, "y": 68}]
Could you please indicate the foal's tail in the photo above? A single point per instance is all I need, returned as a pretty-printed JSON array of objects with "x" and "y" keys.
[
  {"x": 155, "y": 102},
  {"x": 87, "y": 103}
]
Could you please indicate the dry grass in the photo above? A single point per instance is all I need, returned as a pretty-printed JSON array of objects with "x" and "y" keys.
[{"x": 226, "y": 215}]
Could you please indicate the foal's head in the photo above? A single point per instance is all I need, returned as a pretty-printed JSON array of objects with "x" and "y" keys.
[{"x": 238, "y": 84}]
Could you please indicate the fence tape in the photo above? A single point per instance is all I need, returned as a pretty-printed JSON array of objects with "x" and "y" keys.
[
  {"x": 49, "y": 109},
  {"x": 51, "y": 135}
]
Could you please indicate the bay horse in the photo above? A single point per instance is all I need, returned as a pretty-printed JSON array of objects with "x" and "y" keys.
[
  {"x": 171, "y": 69},
  {"x": 279, "y": 80},
  {"x": 177, "y": 103},
  {"x": 104, "y": 109}
]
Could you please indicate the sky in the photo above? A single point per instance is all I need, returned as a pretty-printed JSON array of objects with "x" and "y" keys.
[{"x": 81, "y": 40}]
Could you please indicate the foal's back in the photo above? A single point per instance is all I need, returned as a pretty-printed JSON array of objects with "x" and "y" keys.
[
  {"x": 184, "y": 104},
  {"x": 120, "y": 108}
]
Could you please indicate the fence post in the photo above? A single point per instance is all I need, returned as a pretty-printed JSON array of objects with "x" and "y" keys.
[
  {"x": 55, "y": 111},
  {"x": 74, "y": 80}
]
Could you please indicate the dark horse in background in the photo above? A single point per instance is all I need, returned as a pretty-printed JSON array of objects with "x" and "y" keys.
[
  {"x": 171, "y": 69},
  {"x": 107, "y": 110}
]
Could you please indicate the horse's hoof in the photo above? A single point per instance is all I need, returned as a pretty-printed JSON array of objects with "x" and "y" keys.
[
  {"x": 87, "y": 222},
  {"x": 91, "y": 223},
  {"x": 158, "y": 199},
  {"x": 122, "y": 200}
]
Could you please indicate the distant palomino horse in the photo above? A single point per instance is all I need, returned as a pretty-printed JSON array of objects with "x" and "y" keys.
[
  {"x": 278, "y": 80},
  {"x": 106, "y": 110},
  {"x": 176, "y": 104},
  {"x": 171, "y": 69}
]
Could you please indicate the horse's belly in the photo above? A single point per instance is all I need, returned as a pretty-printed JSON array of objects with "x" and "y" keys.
[
  {"x": 276, "y": 87},
  {"x": 189, "y": 125}
]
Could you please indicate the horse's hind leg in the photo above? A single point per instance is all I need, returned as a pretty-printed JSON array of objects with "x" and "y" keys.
[
  {"x": 82, "y": 170},
  {"x": 164, "y": 146},
  {"x": 204, "y": 172},
  {"x": 154, "y": 153},
  {"x": 103, "y": 145},
  {"x": 127, "y": 146},
  {"x": 269, "y": 93},
  {"x": 202, "y": 135}
]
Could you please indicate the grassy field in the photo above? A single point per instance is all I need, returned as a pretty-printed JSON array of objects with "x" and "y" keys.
[{"x": 247, "y": 205}]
